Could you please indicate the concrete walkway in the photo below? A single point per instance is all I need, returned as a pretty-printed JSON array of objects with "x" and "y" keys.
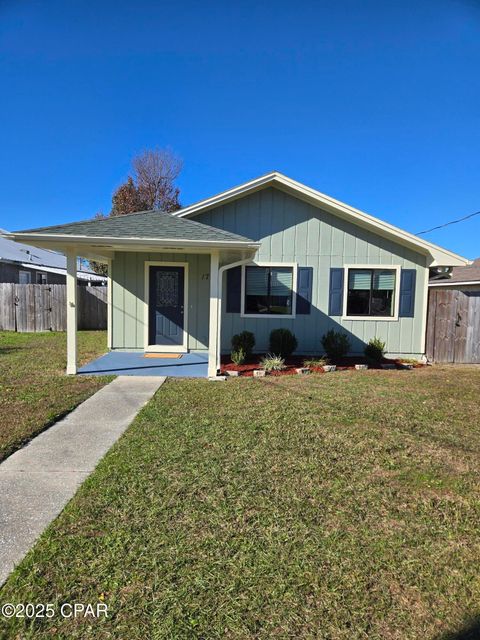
[{"x": 37, "y": 481}]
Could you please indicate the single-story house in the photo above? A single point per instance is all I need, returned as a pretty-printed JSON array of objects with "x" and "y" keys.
[
  {"x": 461, "y": 278},
  {"x": 24, "y": 264},
  {"x": 269, "y": 253}
]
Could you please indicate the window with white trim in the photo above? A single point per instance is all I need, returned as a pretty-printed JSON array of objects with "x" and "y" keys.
[
  {"x": 371, "y": 292},
  {"x": 268, "y": 290},
  {"x": 24, "y": 277},
  {"x": 41, "y": 278}
]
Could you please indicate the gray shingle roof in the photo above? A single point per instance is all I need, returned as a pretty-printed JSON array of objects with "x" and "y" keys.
[
  {"x": 145, "y": 224},
  {"x": 460, "y": 274},
  {"x": 466, "y": 274}
]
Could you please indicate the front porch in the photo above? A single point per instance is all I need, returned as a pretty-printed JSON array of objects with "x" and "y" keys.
[
  {"x": 137, "y": 363},
  {"x": 164, "y": 287}
]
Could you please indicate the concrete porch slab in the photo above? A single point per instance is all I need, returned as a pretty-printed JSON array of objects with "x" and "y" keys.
[{"x": 134, "y": 363}]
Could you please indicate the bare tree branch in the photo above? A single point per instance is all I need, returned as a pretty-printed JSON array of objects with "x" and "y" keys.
[
  {"x": 151, "y": 187},
  {"x": 155, "y": 172}
]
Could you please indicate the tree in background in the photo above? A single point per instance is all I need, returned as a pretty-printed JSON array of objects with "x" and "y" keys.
[
  {"x": 99, "y": 267},
  {"x": 155, "y": 173},
  {"x": 152, "y": 187},
  {"x": 127, "y": 199}
]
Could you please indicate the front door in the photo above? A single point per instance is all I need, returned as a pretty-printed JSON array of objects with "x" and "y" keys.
[{"x": 166, "y": 306}]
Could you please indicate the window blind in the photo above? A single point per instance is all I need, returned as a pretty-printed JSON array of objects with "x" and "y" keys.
[
  {"x": 256, "y": 281},
  {"x": 280, "y": 282},
  {"x": 384, "y": 280},
  {"x": 359, "y": 280}
]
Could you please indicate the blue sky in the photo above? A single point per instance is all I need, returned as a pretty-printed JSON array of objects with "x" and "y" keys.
[{"x": 375, "y": 103}]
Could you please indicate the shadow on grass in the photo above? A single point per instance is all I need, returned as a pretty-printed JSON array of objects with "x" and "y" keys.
[
  {"x": 4, "y": 350},
  {"x": 470, "y": 631},
  {"x": 22, "y": 442}
]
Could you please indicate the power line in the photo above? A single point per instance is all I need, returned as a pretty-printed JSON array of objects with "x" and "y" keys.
[{"x": 441, "y": 226}]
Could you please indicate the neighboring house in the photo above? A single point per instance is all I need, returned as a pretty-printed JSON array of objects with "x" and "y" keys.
[
  {"x": 462, "y": 278},
  {"x": 23, "y": 264},
  {"x": 269, "y": 253}
]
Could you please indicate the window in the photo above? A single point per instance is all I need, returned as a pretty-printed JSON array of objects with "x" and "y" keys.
[
  {"x": 371, "y": 292},
  {"x": 268, "y": 290},
  {"x": 24, "y": 277},
  {"x": 41, "y": 278}
]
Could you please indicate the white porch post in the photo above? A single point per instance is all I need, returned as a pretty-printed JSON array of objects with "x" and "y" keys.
[
  {"x": 71, "y": 311},
  {"x": 109, "y": 304},
  {"x": 213, "y": 329}
]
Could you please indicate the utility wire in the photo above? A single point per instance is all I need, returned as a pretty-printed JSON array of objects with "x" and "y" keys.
[{"x": 441, "y": 226}]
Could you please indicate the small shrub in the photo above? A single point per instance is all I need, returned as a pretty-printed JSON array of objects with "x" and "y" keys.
[
  {"x": 283, "y": 342},
  {"x": 375, "y": 350},
  {"x": 272, "y": 362},
  {"x": 336, "y": 344},
  {"x": 239, "y": 356},
  {"x": 245, "y": 341},
  {"x": 316, "y": 362}
]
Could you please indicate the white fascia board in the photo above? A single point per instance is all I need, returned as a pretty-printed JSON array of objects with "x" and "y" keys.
[
  {"x": 453, "y": 283},
  {"x": 111, "y": 242},
  {"x": 226, "y": 196},
  {"x": 438, "y": 255}
]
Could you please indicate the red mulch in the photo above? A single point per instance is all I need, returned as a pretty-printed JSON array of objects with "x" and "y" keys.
[{"x": 294, "y": 362}]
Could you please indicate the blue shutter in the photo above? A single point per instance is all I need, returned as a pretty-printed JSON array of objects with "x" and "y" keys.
[
  {"x": 234, "y": 289},
  {"x": 304, "y": 289},
  {"x": 335, "y": 305},
  {"x": 407, "y": 293}
]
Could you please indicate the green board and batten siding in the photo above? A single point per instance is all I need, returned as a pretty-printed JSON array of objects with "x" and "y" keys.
[
  {"x": 292, "y": 230},
  {"x": 128, "y": 296}
]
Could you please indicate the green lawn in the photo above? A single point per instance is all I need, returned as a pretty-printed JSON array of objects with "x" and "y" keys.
[
  {"x": 338, "y": 506},
  {"x": 34, "y": 390}
]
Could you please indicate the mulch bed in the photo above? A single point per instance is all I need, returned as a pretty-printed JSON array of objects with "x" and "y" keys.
[{"x": 294, "y": 362}]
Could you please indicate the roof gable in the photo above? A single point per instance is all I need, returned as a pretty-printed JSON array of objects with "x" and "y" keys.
[{"x": 438, "y": 255}]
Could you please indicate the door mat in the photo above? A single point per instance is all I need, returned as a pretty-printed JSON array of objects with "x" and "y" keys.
[{"x": 173, "y": 356}]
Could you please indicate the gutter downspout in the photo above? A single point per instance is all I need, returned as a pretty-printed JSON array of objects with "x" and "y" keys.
[{"x": 221, "y": 271}]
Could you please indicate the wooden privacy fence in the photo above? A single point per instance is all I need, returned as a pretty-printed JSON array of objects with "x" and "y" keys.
[
  {"x": 453, "y": 327},
  {"x": 43, "y": 307}
]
